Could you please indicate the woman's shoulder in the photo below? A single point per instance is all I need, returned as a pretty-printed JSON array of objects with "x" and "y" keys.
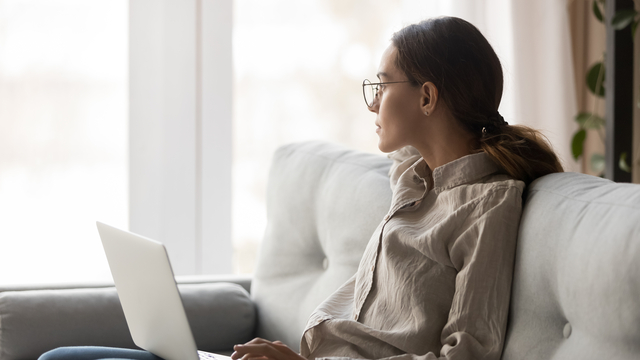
[
  {"x": 485, "y": 193},
  {"x": 494, "y": 189},
  {"x": 476, "y": 175},
  {"x": 500, "y": 182}
]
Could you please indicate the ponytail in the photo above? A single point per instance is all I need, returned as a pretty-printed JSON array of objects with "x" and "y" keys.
[{"x": 524, "y": 153}]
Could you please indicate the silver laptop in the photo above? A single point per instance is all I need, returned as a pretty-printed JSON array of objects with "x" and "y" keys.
[{"x": 149, "y": 295}]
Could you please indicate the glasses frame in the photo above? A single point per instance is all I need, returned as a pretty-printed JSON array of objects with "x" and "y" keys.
[{"x": 367, "y": 82}]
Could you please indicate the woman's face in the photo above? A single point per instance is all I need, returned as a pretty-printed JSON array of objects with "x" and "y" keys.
[{"x": 397, "y": 105}]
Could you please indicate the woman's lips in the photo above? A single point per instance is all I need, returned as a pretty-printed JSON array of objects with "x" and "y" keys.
[{"x": 377, "y": 128}]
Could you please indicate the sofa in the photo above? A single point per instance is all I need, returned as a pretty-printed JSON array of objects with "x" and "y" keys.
[{"x": 575, "y": 293}]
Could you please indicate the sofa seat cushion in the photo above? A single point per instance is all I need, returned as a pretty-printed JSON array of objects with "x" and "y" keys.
[
  {"x": 35, "y": 321},
  {"x": 576, "y": 286}
]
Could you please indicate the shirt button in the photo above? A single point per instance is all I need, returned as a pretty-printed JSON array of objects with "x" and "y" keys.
[
  {"x": 566, "y": 332},
  {"x": 386, "y": 218},
  {"x": 355, "y": 317},
  {"x": 373, "y": 267}
]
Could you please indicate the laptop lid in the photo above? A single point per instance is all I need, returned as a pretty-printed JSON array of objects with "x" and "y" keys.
[{"x": 148, "y": 294}]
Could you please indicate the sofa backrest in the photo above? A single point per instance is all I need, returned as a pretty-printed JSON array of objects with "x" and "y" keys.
[
  {"x": 576, "y": 291},
  {"x": 576, "y": 285},
  {"x": 323, "y": 204}
]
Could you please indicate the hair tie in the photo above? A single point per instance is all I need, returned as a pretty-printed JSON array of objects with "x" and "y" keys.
[{"x": 498, "y": 119}]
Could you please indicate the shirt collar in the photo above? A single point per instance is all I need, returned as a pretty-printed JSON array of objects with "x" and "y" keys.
[
  {"x": 412, "y": 184},
  {"x": 465, "y": 170}
]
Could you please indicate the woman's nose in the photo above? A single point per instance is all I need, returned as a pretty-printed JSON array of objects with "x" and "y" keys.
[{"x": 374, "y": 107}]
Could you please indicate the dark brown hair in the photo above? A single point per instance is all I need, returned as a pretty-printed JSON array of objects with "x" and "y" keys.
[{"x": 453, "y": 55}]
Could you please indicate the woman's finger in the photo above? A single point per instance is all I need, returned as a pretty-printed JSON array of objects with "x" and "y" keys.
[
  {"x": 261, "y": 349},
  {"x": 238, "y": 354},
  {"x": 258, "y": 341},
  {"x": 253, "y": 357},
  {"x": 241, "y": 352}
]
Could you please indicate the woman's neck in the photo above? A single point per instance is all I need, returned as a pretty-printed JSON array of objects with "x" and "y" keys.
[{"x": 447, "y": 142}]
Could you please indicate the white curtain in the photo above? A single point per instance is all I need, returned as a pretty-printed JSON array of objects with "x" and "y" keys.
[{"x": 533, "y": 42}]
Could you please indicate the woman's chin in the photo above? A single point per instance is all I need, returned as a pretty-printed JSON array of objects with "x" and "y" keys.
[{"x": 384, "y": 147}]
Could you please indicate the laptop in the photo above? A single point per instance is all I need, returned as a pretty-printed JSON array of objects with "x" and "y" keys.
[{"x": 149, "y": 295}]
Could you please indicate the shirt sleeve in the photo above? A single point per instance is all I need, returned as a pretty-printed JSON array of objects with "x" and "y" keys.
[{"x": 483, "y": 253}]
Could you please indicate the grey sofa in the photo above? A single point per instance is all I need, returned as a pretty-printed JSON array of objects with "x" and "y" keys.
[{"x": 576, "y": 291}]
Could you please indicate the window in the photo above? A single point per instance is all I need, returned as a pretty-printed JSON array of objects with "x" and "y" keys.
[
  {"x": 63, "y": 144},
  {"x": 298, "y": 69},
  {"x": 297, "y": 73}
]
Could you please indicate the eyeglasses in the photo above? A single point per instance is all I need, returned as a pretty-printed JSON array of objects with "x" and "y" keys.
[{"x": 370, "y": 90}]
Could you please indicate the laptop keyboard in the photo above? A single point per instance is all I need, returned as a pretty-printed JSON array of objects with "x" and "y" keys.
[{"x": 211, "y": 356}]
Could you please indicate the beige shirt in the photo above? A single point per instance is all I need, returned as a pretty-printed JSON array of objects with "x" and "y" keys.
[{"x": 435, "y": 278}]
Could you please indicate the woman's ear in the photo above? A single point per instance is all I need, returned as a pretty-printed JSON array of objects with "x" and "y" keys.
[{"x": 429, "y": 98}]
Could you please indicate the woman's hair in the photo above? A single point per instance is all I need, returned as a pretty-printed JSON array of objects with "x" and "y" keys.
[{"x": 453, "y": 55}]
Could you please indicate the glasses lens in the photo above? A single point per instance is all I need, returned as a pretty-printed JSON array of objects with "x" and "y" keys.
[{"x": 369, "y": 92}]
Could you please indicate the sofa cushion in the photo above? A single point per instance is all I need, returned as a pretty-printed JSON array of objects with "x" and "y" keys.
[
  {"x": 35, "y": 321},
  {"x": 576, "y": 286},
  {"x": 323, "y": 204}
]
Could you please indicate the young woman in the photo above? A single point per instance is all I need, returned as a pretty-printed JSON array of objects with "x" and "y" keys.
[{"x": 435, "y": 278}]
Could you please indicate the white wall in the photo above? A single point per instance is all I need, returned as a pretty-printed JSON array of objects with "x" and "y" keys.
[{"x": 180, "y": 129}]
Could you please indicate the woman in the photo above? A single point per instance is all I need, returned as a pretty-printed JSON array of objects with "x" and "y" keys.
[{"x": 435, "y": 278}]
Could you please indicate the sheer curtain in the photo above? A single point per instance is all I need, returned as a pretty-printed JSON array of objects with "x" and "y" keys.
[{"x": 533, "y": 41}]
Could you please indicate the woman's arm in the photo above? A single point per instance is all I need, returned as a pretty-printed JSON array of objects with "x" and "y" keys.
[{"x": 484, "y": 255}]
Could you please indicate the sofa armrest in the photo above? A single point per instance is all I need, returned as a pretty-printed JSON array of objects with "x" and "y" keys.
[
  {"x": 242, "y": 280},
  {"x": 34, "y": 321}
]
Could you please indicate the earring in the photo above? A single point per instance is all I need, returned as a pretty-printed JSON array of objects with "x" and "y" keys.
[{"x": 426, "y": 113}]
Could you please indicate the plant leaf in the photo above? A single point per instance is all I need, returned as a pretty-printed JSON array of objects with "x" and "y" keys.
[
  {"x": 592, "y": 79},
  {"x": 597, "y": 163},
  {"x": 623, "y": 18},
  {"x": 597, "y": 12},
  {"x": 622, "y": 164},
  {"x": 577, "y": 143},
  {"x": 588, "y": 120}
]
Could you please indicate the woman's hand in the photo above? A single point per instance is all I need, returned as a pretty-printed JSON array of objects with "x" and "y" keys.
[{"x": 261, "y": 349}]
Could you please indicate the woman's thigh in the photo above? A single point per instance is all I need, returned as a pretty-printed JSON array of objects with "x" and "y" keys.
[{"x": 95, "y": 353}]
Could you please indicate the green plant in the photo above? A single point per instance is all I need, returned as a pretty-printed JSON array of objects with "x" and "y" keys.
[{"x": 595, "y": 84}]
